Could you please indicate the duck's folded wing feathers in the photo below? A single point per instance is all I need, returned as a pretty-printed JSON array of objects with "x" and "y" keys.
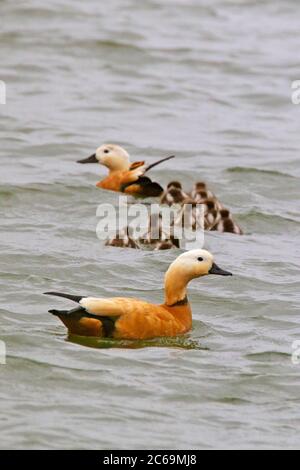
[
  {"x": 105, "y": 307},
  {"x": 136, "y": 165}
]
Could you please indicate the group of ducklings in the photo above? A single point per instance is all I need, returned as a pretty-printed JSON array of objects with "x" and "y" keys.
[
  {"x": 129, "y": 178},
  {"x": 216, "y": 216}
]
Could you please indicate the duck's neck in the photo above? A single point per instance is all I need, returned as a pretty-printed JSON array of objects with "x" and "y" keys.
[
  {"x": 175, "y": 288},
  {"x": 120, "y": 167}
]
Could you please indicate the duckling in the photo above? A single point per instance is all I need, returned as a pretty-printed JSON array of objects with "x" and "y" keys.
[
  {"x": 124, "y": 176},
  {"x": 156, "y": 237},
  {"x": 199, "y": 188},
  {"x": 174, "y": 184},
  {"x": 191, "y": 216},
  {"x": 226, "y": 223},
  {"x": 174, "y": 194},
  {"x": 209, "y": 204},
  {"x": 200, "y": 196},
  {"x": 123, "y": 239},
  {"x": 128, "y": 318},
  {"x": 166, "y": 245},
  {"x": 210, "y": 212},
  {"x": 211, "y": 218},
  {"x": 154, "y": 231},
  {"x": 200, "y": 193}
]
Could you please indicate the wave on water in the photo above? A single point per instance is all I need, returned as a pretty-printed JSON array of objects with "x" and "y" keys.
[
  {"x": 260, "y": 216},
  {"x": 241, "y": 169},
  {"x": 269, "y": 356}
]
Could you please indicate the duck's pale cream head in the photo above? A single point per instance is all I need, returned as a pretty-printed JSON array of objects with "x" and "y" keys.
[
  {"x": 188, "y": 266},
  {"x": 112, "y": 156}
]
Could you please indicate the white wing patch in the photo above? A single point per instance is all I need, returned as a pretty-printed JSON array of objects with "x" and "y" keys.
[{"x": 103, "y": 307}]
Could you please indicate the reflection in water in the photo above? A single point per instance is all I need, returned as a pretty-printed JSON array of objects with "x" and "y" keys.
[{"x": 182, "y": 342}]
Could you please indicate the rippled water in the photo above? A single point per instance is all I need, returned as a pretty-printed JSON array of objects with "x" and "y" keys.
[{"x": 209, "y": 81}]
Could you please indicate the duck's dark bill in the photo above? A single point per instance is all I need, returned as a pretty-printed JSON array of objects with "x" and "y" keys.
[
  {"x": 220, "y": 272},
  {"x": 91, "y": 159}
]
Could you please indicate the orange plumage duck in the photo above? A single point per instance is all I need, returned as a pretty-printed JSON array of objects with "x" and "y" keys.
[
  {"x": 129, "y": 318},
  {"x": 125, "y": 176}
]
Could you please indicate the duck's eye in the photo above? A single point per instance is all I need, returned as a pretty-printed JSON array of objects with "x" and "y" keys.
[
  {"x": 106, "y": 151},
  {"x": 200, "y": 259}
]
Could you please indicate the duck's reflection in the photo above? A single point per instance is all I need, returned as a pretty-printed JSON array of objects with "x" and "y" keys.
[{"x": 181, "y": 342}]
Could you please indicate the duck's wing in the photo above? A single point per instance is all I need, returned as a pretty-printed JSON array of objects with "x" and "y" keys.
[
  {"x": 136, "y": 165},
  {"x": 135, "y": 183},
  {"x": 132, "y": 175},
  {"x": 143, "y": 187},
  {"x": 92, "y": 317},
  {"x": 128, "y": 310},
  {"x": 114, "y": 307},
  {"x": 133, "y": 318},
  {"x": 97, "y": 306}
]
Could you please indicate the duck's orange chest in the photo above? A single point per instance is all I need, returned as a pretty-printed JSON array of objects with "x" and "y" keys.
[
  {"x": 113, "y": 182},
  {"x": 182, "y": 316},
  {"x": 117, "y": 180}
]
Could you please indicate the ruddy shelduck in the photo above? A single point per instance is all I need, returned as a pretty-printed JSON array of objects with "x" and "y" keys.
[
  {"x": 125, "y": 176},
  {"x": 128, "y": 318}
]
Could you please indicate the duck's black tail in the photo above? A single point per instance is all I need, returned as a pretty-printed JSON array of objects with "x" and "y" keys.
[
  {"x": 149, "y": 188},
  {"x": 75, "y": 312},
  {"x": 159, "y": 161},
  {"x": 69, "y": 316},
  {"x": 75, "y": 298}
]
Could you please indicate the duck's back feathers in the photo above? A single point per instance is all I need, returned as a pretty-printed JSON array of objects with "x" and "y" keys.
[{"x": 136, "y": 165}]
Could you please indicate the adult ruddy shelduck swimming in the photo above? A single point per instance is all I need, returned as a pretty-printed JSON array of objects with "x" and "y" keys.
[
  {"x": 128, "y": 318},
  {"x": 124, "y": 176}
]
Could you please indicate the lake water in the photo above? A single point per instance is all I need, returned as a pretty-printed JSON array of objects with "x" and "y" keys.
[{"x": 208, "y": 81}]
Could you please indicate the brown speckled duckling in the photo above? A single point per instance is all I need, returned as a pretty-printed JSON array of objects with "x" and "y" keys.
[
  {"x": 156, "y": 237},
  {"x": 226, "y": 223},
  {"x": 174, "y": 194},
  {"x": 123, "y": 239}
]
